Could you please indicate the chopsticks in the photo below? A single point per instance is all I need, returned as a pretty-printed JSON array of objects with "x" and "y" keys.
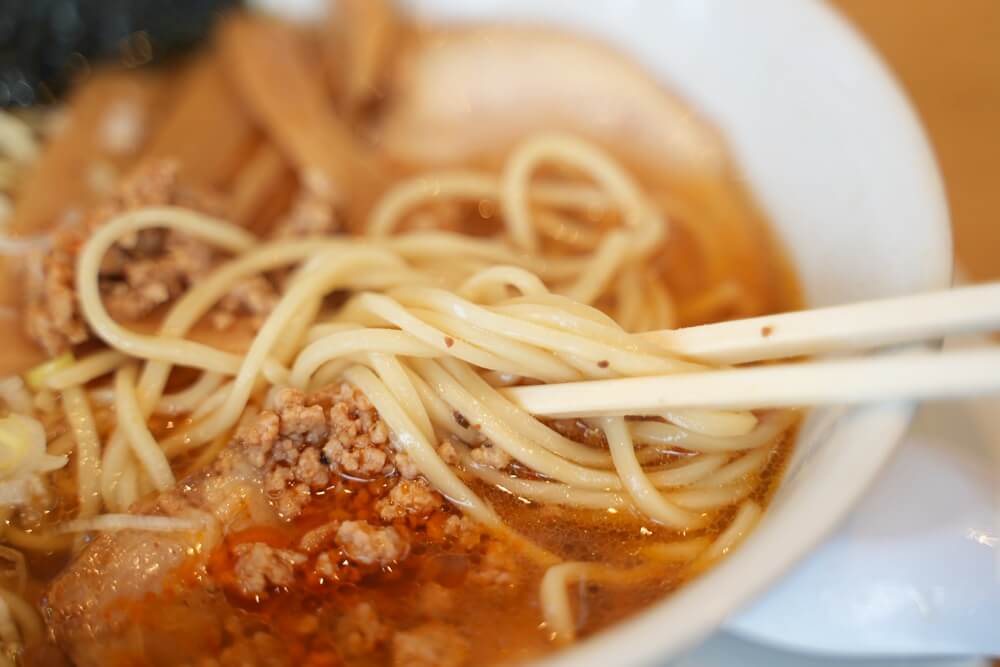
[
  {"x": 908, "y": 376},
  {"x": 856, "y": 326},
  {"x": 867, "y": 325}
]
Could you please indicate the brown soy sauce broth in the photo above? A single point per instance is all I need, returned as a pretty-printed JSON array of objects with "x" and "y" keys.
[{"x": 617, "y": 538}]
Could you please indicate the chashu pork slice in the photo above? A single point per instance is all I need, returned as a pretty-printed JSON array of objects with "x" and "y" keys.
[{"x": 89, "y": 609}]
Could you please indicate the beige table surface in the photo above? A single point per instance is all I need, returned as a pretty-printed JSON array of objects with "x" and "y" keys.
[{"x": 947, "y": 55}]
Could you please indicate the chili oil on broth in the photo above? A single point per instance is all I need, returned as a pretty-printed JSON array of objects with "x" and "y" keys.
[
  {"x": 505, "y": 621},
  {"x": 398, "y": 596},
  {"x": 717, "y": 239}
]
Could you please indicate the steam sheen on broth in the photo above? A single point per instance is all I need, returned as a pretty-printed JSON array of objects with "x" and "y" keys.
[{"x": 265, "y": 306}]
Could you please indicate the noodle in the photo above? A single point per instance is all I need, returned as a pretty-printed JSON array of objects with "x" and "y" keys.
[
  {"x": 114, "y": 522},
  {"x": 555, "y": 601},
  {"x": 457, "y": 185},
  {"x": 713, "y": 422},
  {"x": 211, "y": 403},
  {"x": 24, "y": 615},
  {"x": 504, "y": 435},
  {"x": 86, "y": 370},
  {"x": 9, "y": 635},
  {"x": 618, "y": 357},
  {"x": 187, "y": 400},
  {"x": 746, "y": 517},
  {"x": 133, "y": 425},
  {"x": 114, "y": 464},
  {"x": 36, "y": 541},
  {"x": 18, "y": 574},
  {"x": 740, "y": 468},
  {"x": 567, "y": 150},
  {"x": 668, "y": 436},
  {"x": 88, "y": 450},
  {"x": 635, "y": 481},
  {"x": 332, "y": 274},
  {"x": 709, "y": 499}
]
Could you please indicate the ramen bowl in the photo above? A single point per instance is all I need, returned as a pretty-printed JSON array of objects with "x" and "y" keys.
[
  {"x": 831, "y": 151},
  {"x": 835, "y": 156}
]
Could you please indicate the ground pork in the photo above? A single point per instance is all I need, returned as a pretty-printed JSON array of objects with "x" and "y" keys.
[
  {"x": 138, "y": 274},
  {"x": 303, "y": 440},
  {"x": 312, "y": 214},
  {"x": 254, "y": 297},
  {"x": 408, "y": 497},
  {"x": 311, "y": 469},
  {"x": 358, "y": 438},
  {"x": 489, "y": 455},
  {"x": 287, "y": 494},
  {"x": 429, "y": 645},
  {"x": 259, "y": 436},
  {"x": 360, "y": 630},
  {"x": 367, "y": 544},
  {"x": 325, "y": 566},
  {"x": 158, "y": 270},
  {"x": 52, "y": 317},
  {"x": 405, "y": 466},
  {"x": 260, "y": 567},
  {"x": 299, "y": 421},
  {"x": 448, "y": 453}
]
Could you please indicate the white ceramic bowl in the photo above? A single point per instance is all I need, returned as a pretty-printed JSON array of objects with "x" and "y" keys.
[{"x": 835, "y": 155}]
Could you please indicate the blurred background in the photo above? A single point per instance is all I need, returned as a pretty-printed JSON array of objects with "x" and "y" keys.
[{"x": 947, "y": 55}]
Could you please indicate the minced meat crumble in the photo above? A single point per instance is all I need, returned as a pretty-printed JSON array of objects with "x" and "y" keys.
[
  {"x": 408, "y": 497},
  {"x": 137, "y": 275},
  {"x": 429, "y": 645},
  {"x": 304, "y": 440},
  {"x": 368, "y": 544},
  {"x": 259, "y": 567},
  {"x": 490, "y": 455}
]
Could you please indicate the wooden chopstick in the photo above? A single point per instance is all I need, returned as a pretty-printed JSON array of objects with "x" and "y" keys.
[
  {"x": 910, "y": 376},
  {"x": 867, "y": 325},
  {"x": 858, "y": 326}
]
